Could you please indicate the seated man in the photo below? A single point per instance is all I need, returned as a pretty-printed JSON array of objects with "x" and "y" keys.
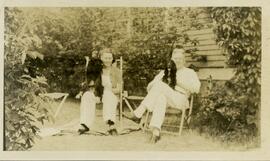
[
  {"x": 161, "y": 93},
  {"x": 103, "y": 82}
]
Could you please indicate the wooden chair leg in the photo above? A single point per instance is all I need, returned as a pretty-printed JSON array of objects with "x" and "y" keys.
[
  {"x": 146, "y": 121},
  {"x": 128, "y": 104},
  {"x": 190, "y": 109},
  {"x": 60, "y": 105},
  {"x": 121, "y": 114},
  {"x": 182, "y": 122}
]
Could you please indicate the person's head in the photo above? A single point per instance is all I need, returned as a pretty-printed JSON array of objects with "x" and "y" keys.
[
  {"x": 106, "y": 56},
  {"x": 178, "y": 56}
]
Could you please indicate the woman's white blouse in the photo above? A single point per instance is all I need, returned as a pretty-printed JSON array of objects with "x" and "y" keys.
[{"x": 106, "y": 82}]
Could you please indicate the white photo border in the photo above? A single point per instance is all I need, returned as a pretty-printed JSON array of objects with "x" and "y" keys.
[{"x": 261, "y": 153}]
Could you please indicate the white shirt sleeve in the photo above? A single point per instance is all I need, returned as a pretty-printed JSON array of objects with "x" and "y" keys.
[{"x": 189, "y": 81}]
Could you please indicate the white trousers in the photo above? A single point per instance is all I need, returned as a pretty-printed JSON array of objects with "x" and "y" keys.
[
  {"x": 158, "y": 98},
  {"x": 88, "y": 107}
]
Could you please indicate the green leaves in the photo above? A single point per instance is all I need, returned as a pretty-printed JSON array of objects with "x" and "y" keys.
[
  {"x": 251, "y": 119},
  {"x": 70, "y": 33},
  {"x": 238, "y": 33},
  {"x": 22, "y": 103}
]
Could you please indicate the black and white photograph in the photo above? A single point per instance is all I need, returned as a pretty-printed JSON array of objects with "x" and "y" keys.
[{"x": 132, "y": 79}]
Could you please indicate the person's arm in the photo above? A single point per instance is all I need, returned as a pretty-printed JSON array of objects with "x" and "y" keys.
[
  {"x": 79, "y": 95},
  {"x": 83, "y": 88},
  {"x": 83, "y": 85},
  {"x": 190, "y": 82}
]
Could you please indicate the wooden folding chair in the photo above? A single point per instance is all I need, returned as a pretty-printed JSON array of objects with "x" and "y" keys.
[
  {"x": 57, "y": 96},
  {"x": 124, "y": 98},
  {"x": 184, "y": 118},
  {"x": 120, "y": 61}
]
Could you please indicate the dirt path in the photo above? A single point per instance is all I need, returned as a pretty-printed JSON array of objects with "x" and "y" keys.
[{"x": 135, "y": 141}]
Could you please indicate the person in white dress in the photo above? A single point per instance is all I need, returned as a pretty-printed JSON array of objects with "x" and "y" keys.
[
  {"x": 109, "y": 81},
  {"x": 161, "y": 95}
]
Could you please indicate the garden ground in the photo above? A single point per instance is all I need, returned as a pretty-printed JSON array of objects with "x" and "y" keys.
[{"x": 68, "y": 119}]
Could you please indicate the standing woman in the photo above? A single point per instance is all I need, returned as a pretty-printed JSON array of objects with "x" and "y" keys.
[{"x": 107, "y": 87}]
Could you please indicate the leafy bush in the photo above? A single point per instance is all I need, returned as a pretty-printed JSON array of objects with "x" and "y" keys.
[
  {"x": 145, "y": 62},
  {"x": 232, "y": 110},
  {"x": 137, "y": 34},
  {"x": 152, "y": 42},
  {"x": 23, "y": 106},
  {"x": 220, "y": 113}
]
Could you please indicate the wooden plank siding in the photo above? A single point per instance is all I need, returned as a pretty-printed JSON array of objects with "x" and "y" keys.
[
  {"x": 215, "y": 65},
  {"x": 204, "y": 47},
  {"x": 208, "y": 52},
  {"x": 216, "y": 73},
  {"x": 216, "y": 57}
]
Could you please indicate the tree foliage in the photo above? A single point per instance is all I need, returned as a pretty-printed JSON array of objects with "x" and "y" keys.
[
  {"x": 137, "y": 34},
  {"x": 233, "y": 112},
  {"x": 23, "y": 105},
  {"x": 155, "y": 32}
]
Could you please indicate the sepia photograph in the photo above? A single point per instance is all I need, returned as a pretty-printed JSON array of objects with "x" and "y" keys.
[{"x": 136, "y": 79}]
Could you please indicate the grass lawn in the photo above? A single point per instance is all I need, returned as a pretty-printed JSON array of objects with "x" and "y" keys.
[{"x": 68, "y": 119}]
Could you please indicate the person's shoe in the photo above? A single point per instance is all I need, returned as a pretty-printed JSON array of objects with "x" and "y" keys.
[
  {"x": 154, "y": 139},
  {"x": 83, "y": 130},
  {"x": 113, "y": 132},
  {"x": 132, "y": 117}
]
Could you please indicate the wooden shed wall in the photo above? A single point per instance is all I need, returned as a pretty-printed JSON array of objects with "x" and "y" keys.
[{"x": 216, "y": 60}]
